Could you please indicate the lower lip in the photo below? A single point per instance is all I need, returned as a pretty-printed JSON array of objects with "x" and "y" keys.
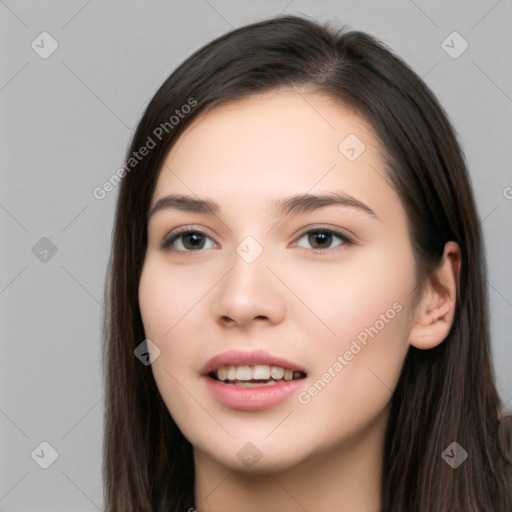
[{"x": 254, "y": 398}]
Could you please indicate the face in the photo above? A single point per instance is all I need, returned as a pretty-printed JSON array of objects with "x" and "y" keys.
[{"x": 256, "y": 288}]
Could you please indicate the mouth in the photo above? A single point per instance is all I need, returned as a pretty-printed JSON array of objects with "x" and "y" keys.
[
  {"x": 252, "y": 381},
  {"x": 257, "y": 375}
]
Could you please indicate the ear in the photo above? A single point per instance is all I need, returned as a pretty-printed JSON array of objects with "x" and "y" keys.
[{"x": 433, "y": 316}]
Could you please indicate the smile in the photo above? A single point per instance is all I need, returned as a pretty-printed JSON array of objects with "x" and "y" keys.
[
  {"x": 257, "y": 375},
  {"x": 251, "y": 380}
]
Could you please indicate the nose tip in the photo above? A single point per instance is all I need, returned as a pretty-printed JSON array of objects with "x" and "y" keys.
[{"x": 249, "y": 292}]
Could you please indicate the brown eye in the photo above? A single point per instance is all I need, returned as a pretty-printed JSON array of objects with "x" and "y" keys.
[
  {"x": 193, "y": 240},
  {"x": 323, "y": 239},
  {"x": 186, "y": 241},
  {"x": 320, "y": 239}
]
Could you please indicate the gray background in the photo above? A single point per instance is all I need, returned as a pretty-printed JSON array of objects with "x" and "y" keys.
[{"x": 65, "y": 125}]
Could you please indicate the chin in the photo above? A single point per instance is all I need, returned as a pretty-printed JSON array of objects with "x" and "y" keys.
[{"x": 254, "y": 457}]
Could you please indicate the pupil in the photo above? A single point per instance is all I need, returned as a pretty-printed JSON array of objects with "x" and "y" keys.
[
  {"x": 195, "y": 239},
  {"x": 320, "y": 236}
]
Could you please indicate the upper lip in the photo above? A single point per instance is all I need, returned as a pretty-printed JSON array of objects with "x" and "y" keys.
[{"x": 249, "y": 358}]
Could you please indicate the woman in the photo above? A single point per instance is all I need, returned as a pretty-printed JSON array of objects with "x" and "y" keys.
[{"x": 297, "y": 302}]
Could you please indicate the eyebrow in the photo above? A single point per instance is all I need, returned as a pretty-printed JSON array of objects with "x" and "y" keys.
[{"x": 288, "y": 206}]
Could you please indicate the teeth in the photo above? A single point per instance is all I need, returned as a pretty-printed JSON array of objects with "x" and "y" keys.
[
  {"x": 277, "y": 372},
  {"x": 249, "y": 384},
  {"x": 244, "y": 373},
  {"x": 260, "y": 372},
  {"x": 222, "y": 373},
  {"x": 231, "y": 373}
]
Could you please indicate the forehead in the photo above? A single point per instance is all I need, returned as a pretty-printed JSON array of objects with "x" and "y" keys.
[
  {"x": 272, "y": 146},
  {"x": 277, "y": 122}
]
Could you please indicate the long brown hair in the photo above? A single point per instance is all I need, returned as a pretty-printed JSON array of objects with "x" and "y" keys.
[{"x": 444, "y": 395}]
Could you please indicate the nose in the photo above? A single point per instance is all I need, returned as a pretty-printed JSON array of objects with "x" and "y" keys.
[{"x": 249, "y": 293}]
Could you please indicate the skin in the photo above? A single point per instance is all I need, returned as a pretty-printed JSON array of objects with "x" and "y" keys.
[{"x": 303, "y": 305}]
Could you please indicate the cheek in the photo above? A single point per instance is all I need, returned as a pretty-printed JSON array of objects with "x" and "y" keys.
[
  {"x": 165, "y": 304},
  {"x": 367, "y": 304},
  {"x": 354, "y": 294},
  {"x": 167, "y": 297}
]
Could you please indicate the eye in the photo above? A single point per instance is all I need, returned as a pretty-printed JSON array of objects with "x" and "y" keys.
[
  {"x": 187, "y": 240},
  {"x": 322, "y": 239},
  {"x": 190, "y": 240}
]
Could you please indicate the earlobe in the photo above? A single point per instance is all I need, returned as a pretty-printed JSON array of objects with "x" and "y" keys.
[{"x": 434, "y": 314}]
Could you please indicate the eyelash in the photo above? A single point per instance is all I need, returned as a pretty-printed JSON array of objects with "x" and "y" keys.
[{"x": 170, "y": 239}]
